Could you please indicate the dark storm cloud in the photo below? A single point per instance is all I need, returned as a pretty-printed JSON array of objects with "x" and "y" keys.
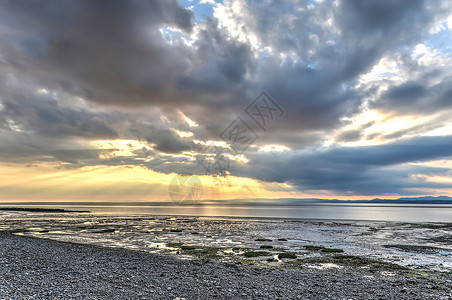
[
  {"x": 382, "y": 16},
  {"x": 224, "y": 62},
  {"x": 417, "y": 97},
  {"x": 168, "y": 141},
  {"x": 46, "y": 117},
  {"x": 106, "y": 51},
  {"x": 358, "y": 170},
  {"x": 407, "y": 91},
  {"x": 413, "y": 150},
  {"x": 350, "y": 136},
  {"x": 25, "y": 148}
]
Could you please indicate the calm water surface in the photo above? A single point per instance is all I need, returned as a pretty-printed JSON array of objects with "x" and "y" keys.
[{"x": 371, "y": 212}]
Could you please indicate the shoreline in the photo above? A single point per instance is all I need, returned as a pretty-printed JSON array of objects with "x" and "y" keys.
[
  {"x": 42, "y": 210},
  {"x": 256, "y": 218},
  {"x": 255, "y": 240},
  {"x": 34, "y": 267}
]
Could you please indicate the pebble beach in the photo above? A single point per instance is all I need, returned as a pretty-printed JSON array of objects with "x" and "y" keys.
[
  {"x": 34, "y": 268},
  {"x": 82, "y": 256}
]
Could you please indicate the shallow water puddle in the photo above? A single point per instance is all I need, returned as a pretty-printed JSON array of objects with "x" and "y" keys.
[{"x": 323, "y": 266}]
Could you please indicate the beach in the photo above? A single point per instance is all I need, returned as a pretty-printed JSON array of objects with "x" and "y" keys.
[
  {"x": 34, "y": 268},
  {"x": 85, "y": 256}
]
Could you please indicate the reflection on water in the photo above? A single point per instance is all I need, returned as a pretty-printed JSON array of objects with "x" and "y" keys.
[{"x": 370, "y": 212}]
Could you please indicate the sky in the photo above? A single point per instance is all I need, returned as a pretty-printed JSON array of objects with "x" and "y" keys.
[{"x": 113, "y": 100}]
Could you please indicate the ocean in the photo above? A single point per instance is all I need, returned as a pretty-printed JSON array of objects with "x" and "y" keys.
[{"x": 346, "y": 211}]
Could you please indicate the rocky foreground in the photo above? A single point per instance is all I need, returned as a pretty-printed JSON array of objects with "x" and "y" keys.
[{"x": 44, "y": 269}]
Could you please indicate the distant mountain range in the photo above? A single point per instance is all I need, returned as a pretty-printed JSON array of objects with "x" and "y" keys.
[
  {"x": 405, "y": 200},
  {"x": 295, "y": 201}
]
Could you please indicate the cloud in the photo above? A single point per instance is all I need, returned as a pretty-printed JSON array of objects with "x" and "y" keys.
[
  {"x": 104, "y": 51},
  {"x": 367, "y": 170},
  {"x": 420, "y": 86},
  {"x": 77, "y": 75}
]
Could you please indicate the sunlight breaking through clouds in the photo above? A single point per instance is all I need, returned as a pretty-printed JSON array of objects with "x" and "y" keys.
[{"x": 152, "y": 87}]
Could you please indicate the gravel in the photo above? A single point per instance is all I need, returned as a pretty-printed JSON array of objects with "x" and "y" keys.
[{"x": 32, "y": 268}]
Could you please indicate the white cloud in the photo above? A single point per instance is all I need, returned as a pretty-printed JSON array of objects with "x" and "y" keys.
[{"x": 211, "y": 2}]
